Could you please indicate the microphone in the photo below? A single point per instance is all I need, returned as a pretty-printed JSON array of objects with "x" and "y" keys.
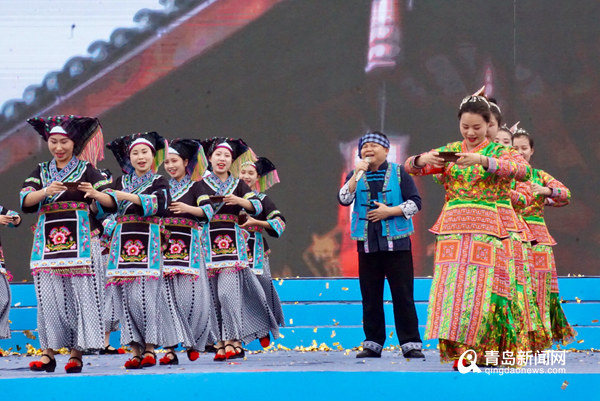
[{"x": 360, "y": 173}]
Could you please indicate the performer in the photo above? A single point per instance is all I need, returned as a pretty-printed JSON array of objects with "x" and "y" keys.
[
  {"x": 385, "y": 200},
  {"x": 242, "y": 310},
  {"x": 469, "y": 303},
  {"x": 504, "y": 137},
  {"x": 260, "y": 176},
  {"x": 547, "y": 191},
  {"x": 65, "y": 259},
  {"x": 8, "y": 218},
  {"x": 186, "y": 283},
  {"x": 134, "y": 268},
  {"x": 516, "y": 252}
]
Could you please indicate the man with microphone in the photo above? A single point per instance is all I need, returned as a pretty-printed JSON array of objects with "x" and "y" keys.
[{"x": 384, "y": 199}]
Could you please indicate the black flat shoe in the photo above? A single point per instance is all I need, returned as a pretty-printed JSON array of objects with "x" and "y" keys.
[
  {"x": 368, "y": 353},
  {"x": 39, "y": 366}
]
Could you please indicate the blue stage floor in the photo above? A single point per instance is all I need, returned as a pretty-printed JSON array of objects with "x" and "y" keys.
[{"x": 294, "y": 375}]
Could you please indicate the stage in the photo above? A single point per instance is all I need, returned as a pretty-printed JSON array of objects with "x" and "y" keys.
[{"x": 297, "y": 375}]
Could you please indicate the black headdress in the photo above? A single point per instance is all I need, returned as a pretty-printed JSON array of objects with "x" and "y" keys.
[
  {"x": 122, "y": 146},
  {"x": 85, "y": 132}
]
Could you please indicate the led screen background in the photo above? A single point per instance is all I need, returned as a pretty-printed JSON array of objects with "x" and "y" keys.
[{"x": 293, "y": 84}]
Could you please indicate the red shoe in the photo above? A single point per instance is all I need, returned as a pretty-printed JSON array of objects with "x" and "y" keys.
[
  {"x": 75, "y": 366},
  {"x": 120, "y": 351},
  {"x": 455, "y": 365},
  {"x": 165, "y": 360},
  {"x": 149, "y": 360},
  {"x": 219, "y": 357},
  {"x": 39, "y": 366},
  {"x": 134, "y": 363},
  {"x": 239, "y": 353},
  {"x": 265, "y": 341},
  {"x": 193, "y": 354},
  {"x": 229, "y": 354}
]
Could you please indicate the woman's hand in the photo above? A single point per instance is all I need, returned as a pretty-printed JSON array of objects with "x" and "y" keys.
[
  {"x": 179, "y": 207},
  {"x": 6, "y": 220},
  {"x": 90, "y": 191},
  {"x": 469, "y": 159},
  {"x": 538, "y": 189},
  {"x": 250, "y": 221},
  {"x": 432, "y": 158},
  {"x": 54, "y": 188},
  {"x": 232, "y": 199}
]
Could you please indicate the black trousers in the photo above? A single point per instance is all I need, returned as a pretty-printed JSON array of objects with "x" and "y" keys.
[{"x": 397, "y": 266}]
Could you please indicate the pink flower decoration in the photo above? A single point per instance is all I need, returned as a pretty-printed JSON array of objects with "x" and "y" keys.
[
  {"x": 133, "y": 250},
  {"x": 59, "y": 238}
]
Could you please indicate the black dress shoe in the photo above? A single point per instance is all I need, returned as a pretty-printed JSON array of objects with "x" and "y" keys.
[
  {"x": 368, "y": 353},
  {"x": 414, "y": 354}
]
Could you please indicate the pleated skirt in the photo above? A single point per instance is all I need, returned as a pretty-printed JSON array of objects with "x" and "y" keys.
[
  {"x": 241, "y": 306},
  {"x": 70, "y": 309},
  {"x": 144, "y": 313},
  {"x": 191, "y": 309}
]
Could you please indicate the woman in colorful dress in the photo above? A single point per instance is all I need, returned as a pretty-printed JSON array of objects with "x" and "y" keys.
[
  {"x": 8, "y": 218},
  {"x": 65, "y": 259},
  {"x": 134, "y": 268},
  {"x": 516, "y": 250},
  {"x": 547, "y": 191},
  {"x": 241, "y": 307},
  {"x": 260, "y": 176},
  {"x": 469, "y": 306},
  {"x": 186, "y": 283}
]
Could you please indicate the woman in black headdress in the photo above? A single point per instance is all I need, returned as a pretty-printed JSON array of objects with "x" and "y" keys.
[
  {"x": 261, "y": 175},
  {"x": 65, "y": 258},
  {"x": 242, "y": 310},
  {"x": 134, "y": 268},
  {"x": 186, "y": 283}
]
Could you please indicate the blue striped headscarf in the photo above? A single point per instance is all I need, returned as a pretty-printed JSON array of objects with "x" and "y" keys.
[{"x": 373, "y": 136}]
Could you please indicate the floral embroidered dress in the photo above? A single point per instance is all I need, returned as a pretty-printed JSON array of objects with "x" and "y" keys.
[
  {"x": 183, "y": 255},
  {"x": 258, "y": 251},
  {"x": 223, "y": 241},
  {"x": 134, "y": 268},
  {"x": 239, "y": 301},
  {"x": 5, "y": 278},
  {"x": 135, "y": 249},
  {"x": 469, "y": 304},
  {"x": 187, "y": 288},
  {"x": 554, "y": 320},
  {"x": 62, "y": 258}
]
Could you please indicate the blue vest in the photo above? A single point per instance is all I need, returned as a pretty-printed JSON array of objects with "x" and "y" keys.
[{"x": 395, "y": 227}]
